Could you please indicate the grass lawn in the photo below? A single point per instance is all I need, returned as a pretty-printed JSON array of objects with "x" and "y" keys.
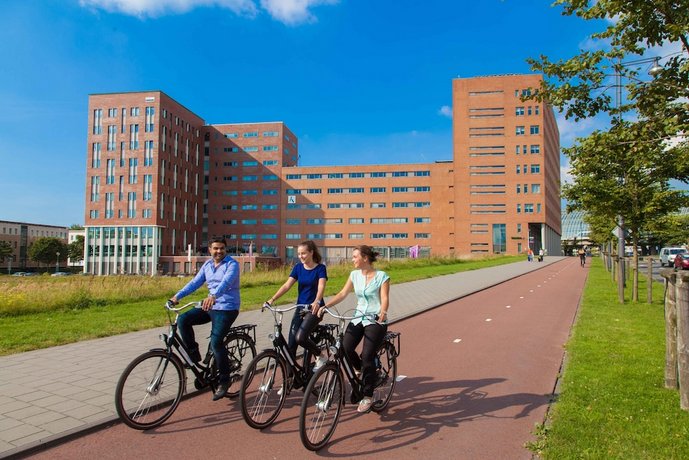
[
  {"x": 39, "y": 312},
  {"x": 612, "y": 402}
]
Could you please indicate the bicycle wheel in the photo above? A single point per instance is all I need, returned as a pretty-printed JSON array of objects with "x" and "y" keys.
[
  {"x": 241, "y": 350},
  {"x": 260, "y": 397},
  {"x": 386, "y": 376},
  {"x": 321, "y": 407},
  {"x": 150, "y": 389}
]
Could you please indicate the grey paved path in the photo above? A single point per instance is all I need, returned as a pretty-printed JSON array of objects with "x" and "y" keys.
[{"x": 49, "y": 394}]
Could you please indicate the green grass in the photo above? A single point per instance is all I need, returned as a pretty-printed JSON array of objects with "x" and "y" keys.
[
  {"x": 39, "y": 312},
  {"x": 612, "y": 401}
]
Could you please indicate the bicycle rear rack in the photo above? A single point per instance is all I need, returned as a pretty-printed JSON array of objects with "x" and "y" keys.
[{"x": 394, "y": 338}]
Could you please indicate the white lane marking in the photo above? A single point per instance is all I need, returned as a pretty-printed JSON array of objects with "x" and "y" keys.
[
  {"x": 530, "y": 290},
  {"x": 400, "y": 378},
  {"x": 508, "y": 306},
  {"x": 457, "y": 340},
  {"x": 488, "y": 319},
  {"x": 521, "y": 296},
  {"x": 538, "y": 285}
]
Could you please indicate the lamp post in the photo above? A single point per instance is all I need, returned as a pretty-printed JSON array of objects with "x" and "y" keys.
[
  {"x": 9, "y": 265},
  {"x": 654, "y": 70},
  {"x": 57, "y": 262}
]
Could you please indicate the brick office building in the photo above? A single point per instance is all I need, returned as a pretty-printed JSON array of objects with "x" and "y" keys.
[
  {"x": 160, "y": 181},
  {"x": 21, "y": 235}
]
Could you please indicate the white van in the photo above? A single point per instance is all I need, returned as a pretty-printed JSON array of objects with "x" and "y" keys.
[{"x": 667, "y": 256}]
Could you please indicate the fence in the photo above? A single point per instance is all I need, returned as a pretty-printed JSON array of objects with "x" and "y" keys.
[{"x": 677, "y": 333}]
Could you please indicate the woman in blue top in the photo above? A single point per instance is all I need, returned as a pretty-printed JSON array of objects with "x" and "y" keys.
[
  {"x": 372, "y": 289},
  {"x": 311, "y": 276}
]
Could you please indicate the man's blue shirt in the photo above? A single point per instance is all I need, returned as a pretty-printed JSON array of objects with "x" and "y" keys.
[{"x": 223, "y": 283}]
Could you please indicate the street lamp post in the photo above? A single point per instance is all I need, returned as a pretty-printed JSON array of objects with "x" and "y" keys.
[
  {"x": 9, "y": 265},
  {"x": 653, "y": 71},
  {"x": 57, "y": 262}
]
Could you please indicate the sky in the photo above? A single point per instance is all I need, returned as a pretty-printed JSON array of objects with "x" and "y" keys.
[{"x": 358, "y": 81}]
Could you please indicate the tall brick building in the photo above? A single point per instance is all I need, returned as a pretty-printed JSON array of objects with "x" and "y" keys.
[{"x": 160, "y": 182}]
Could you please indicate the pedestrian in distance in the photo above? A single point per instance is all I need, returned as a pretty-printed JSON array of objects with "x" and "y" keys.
[
  {"x": 529, "y": 255},
  {"x": 372, "y": 289},
  {"x": 311, "y": 276},
  {"x": 582, "y": 256},
  {"x": 221, "y": 308},
  {"x": 541, "y": 253}
]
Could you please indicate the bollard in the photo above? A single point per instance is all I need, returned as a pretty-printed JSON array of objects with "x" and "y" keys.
[
  {"x": 682, "y": 304},
  {"x": 677, "y": 333},
  {"x": 670, "y": 332},
  {"x": 649, "y": 281}
]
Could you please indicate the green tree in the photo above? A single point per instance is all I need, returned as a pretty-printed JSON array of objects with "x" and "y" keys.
[
  {"x": 76, "y": 227},
  {"x": 76, "y": 249},
  {"x": 625, "y": 170},
  {"x": 45, "y": 250},
  {"x": 5, "y": 250}
]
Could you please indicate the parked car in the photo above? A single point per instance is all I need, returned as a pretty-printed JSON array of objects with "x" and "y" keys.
[
  {"x": 61, "y": 274},
  {"x": 19, "y": 274},
  {"x": 667, "y": 255},
  {"x": 682, "y": 261}
]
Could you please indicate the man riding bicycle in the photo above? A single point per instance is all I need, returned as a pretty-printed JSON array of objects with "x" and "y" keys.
[{"x": 221, "y": 308}]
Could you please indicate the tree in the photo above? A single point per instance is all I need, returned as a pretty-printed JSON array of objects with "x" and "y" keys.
[
  {"x": 5, "y": 250},
  {"x": 75, "y": 250},
  {"x": 45, "y": 250},
  {"x": 625, "y": 170},
  {"x": 76, "y": 227}
]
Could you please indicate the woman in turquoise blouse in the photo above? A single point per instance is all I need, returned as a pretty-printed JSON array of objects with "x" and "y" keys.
[{"x": 372, "y": 289}]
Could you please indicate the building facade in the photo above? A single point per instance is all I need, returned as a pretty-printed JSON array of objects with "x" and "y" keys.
[
  {"x": 160, "y": 182},
  {"x": 21, "y": 235}
]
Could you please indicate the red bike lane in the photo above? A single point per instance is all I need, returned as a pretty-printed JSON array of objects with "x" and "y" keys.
[{"x": 477, "y": 374}]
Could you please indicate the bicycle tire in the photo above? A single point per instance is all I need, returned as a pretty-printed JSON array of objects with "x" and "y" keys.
[
  {"x": 321, "y": 407},
  {"x": 386, "y": 377},
  {"x": 150, "y": 389},
  {"x": 258, "y": 397},
  {"x": 242, "y": 350}
]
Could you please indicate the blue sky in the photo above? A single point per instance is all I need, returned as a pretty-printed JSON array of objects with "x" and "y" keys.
[{"x": 358, "y": 81}]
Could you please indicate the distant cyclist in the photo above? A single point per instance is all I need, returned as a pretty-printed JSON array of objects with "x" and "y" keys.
[{"x": 221, "y": 308}]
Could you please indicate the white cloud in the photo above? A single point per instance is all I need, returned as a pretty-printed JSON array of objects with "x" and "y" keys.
[
  {"x": 290, "y": 12},
  {"x": 155, "y": 8},
  {"x": 566, "y": 175},
  {"x": 445, "y": 111},
  {"x": 570, "y": 129},
  {"x": 293, "y": 11}
]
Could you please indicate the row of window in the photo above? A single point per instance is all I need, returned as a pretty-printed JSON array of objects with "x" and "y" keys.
[
  {"x": 252, "y": 148},
  {"x": 341, "y": 190},
  {"x": 353, "y": 236},
  {"x": 358, "y": 175},
  {"x": 320, "y": 221}
]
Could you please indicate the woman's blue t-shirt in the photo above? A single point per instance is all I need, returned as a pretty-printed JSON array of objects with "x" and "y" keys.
[{"x": 308, "y": 282}]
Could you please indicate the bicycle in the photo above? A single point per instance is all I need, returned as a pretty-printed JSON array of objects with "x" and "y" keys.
[
  {"x": 273, "y": 373},
  {"x": 324, "y": 395},
  {"x": 151, "y": 386}
]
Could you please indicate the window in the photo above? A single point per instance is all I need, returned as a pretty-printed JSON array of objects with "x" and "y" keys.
[
  {"x": 293, "y": 176},
  {"x": 535, "y": 169},
  {"x": 112, "y": 130},
  {"x": 534, "y": 129},
  {"x": 131, "y": 204},
  {"x": 378, "y": 174},
  {"x": 148, "y": 153},
  {"x": 95, "y": 155},
  {"x": 249, "y": 192},
  {"x": 269, "y": 192},
  {"x": 249, "y": 178},
  {"x": 335, "y": 176},
  {"x": 356, "y": 175},
  {"x": 499, "y": 238},
  {"x": 293, "y": 236},
  {"x": 377, "y": 189},
  {"x": 150, "y": 112},
  {"x": 519, "y": 208},
  {"x": 249, "y": 163},
  {"x": 519, "y": 228},
  {"x": 400, "y": 204},
  {"x": 98, "y": 121},
  {"x": 422, "y": 173},
  {"x": 251, "y": 149},
  {"x": 519, "y": 111},
  {"x": 528, "y": 208},
  {"x": 518, "y": 169},
  {"x": 519, "y": 130},
  {"x": 269, "y": 207},
  {"x": 270, "y": 148},
  {"x": 134, "y": 111},
  {"x": 270, "y": 134},
  {"x": 133, "y": 137},
  {"x": 356, "y": 236},
  {"x": 356, "y": 220},
  {"x": 519, "y": 188},
  {"x": 133, "y": 168},
  {"x": 422, "y": 236},
  {"x": 270, "y": 162},
  {"x": 535, "y": 188},
  {"x": 535, "y": 149},
  {"x": 148, "y": 187},
  {"x": 251, "y": 134},
  {"x": 249, "y": 221},
  {"x": 335, "y": 190},
  {"x": 293, "y": 221},
  {"x": 314, "y": 176},
  {"x": 377, "y": 205},
  {"x": 270, "y": 177},
  {"x": 422, "y": 220}
]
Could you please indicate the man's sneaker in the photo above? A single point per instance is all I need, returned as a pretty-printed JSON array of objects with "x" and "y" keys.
[
  {"x": 320, "y": 362},
  {"x": 221, "y": 391},
  {"x": 365, "y": 405}
]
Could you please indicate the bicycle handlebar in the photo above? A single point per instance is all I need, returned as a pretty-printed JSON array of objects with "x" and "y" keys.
[
  {"x": 282, "y": 310},
  {"x": 171, "y": 306},
  {"x": 357, "y": 315}
]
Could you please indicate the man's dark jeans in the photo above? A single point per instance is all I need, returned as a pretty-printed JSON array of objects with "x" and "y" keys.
[{"x": 221, "y": 323}]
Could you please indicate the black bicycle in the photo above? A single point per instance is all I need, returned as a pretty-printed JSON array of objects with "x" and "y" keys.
[
  {"x": 152, "y": 385},
  {"x": 274, "y": 373},
  {"x": 324, "y": 396}
]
